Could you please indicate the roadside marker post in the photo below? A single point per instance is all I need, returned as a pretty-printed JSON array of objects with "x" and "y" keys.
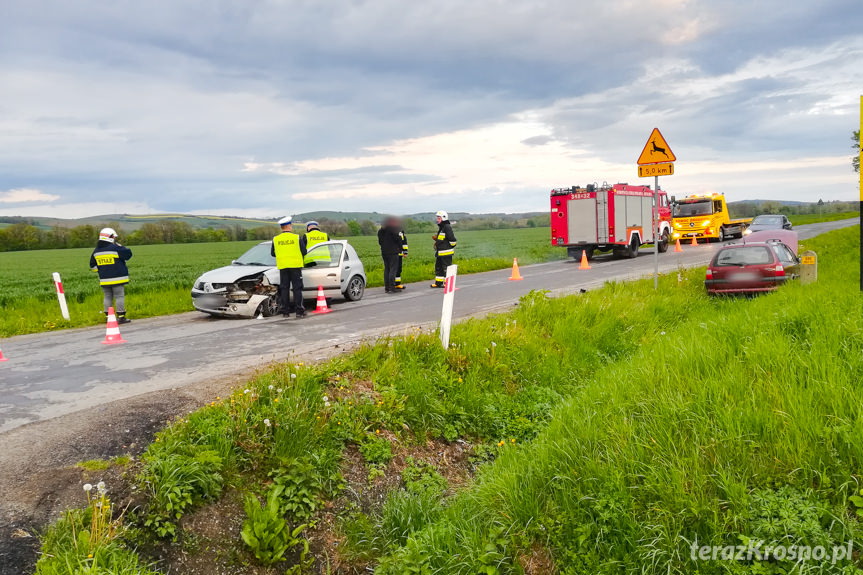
[
  {"x": 656, "y": 160},
  {"x": 448, "y": 300},
  {"x": 61, "y": 297}
]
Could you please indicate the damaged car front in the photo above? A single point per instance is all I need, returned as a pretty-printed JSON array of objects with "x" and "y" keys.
[{"x": 243, "y": 289}]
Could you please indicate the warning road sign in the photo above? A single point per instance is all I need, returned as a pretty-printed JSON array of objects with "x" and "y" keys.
[{"x": 656, "y": 150}]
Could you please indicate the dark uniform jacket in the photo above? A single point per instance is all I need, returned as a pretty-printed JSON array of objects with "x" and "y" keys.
[
  {"x": 390, "y": 241},
  {"x": 444, "y": 243},
  {"x": 110, "y": 261}
]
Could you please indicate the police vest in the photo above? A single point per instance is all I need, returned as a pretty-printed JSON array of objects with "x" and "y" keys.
[
  {"x": 287, "y": 248},
  {"x": 315, "y": 237}
]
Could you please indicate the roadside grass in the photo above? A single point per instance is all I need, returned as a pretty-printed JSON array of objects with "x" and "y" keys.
[
  {"x": 162, "y": 275},
  {"x": 610, "y": 431},
  {"x": 803, "y": 219}
]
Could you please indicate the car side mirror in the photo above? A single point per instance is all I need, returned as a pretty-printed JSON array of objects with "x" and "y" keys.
[{"x": 787, "y": 225}]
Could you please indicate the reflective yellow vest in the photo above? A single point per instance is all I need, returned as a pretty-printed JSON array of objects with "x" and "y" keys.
[
  {"x": 287, "y": 248},
  {"x": 315, "y": 237}
]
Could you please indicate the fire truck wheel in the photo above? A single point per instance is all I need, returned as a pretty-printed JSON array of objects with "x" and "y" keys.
[
  {"x": 721, "y": 237},
  {"x": 632, "y": 248},
  {"x": 663, "y": 243}
]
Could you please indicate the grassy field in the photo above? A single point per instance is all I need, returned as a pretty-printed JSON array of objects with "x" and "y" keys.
[
  {"x": 606, "y": 433},
  {"x": 162, "y": 275},
  {"x": 815, "y": 218}
]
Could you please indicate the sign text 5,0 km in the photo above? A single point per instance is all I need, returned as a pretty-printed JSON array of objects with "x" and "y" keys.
[{"x": 656, "y": 170}]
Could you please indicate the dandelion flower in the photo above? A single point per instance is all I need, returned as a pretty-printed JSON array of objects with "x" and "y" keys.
[
  {"x": 89, "y": 555},
  {"x": 88, "y": 488},
  {"x": 101, "y": 487},
  {"x": 378, "y": 431},
  {"x": 513, "y": 440},
  {"x": 245, "y": 391},
  {"x": 326, "y": 399},
  {"x": 270, "y": 387},
  {"x": 293, "y": 376},
  {"x": 493, "y": 344},
  {"x": 267, "y": 423},
  {"x": 276, "y": 400},
  {"x": 279, "y": 390}
]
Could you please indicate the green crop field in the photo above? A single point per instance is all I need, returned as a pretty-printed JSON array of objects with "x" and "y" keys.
[
  {"x": 162, "y": 275},
  {"x": 802, "y": 219},
  {"x": 619, "y": 431}
]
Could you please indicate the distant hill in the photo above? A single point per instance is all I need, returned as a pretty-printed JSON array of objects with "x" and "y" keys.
[{"x": 131, "y": 222}]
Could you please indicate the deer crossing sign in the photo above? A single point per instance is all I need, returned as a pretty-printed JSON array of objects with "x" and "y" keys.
[{"x": 656, "y": 151}]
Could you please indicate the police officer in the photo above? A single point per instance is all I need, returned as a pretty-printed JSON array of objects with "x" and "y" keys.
[
  {"x": 313, "y": 236},
  {"x": 444, "y": 245},
  {"x": 404, "y": 253},
  {"x": 109, "y": 259},
  {"x": 289, "y": 259}
]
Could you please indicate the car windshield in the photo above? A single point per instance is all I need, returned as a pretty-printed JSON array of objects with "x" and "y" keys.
[
  {"x": 743, "y": 256},
  {"x": 767, "y": 221},
  {"x": 257, "y": 256},
  {"x": 694, "y": 208}
]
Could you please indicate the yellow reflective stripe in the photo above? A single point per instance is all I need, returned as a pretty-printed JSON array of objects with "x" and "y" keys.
[
  {"x": 404, "y": 246},
  {"x": 452, "y": 244},
  {"x": 440, "y": 278},
  {"x": 441, "y": 236},
  {"x": 114, "y": 281},
  {"x": 446, "y": 253}
]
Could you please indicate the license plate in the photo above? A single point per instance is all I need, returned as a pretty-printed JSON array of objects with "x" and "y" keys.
[{"x": 744, "y": 277}]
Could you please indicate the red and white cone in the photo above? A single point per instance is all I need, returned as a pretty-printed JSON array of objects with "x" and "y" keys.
[
  {"x": 322, "y": 302},
  {"x": 1, "y": 356},
  {"x": 112, "y": 331}
]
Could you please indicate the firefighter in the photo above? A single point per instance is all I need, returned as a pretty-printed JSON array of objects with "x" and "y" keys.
[
  {"x": 289, "y": 254},
  {"x": 444, "y": 245},
  {"x": 109, "y": 260},
  {"x": 402, "y": 255},
  {"x": 391, "y": 248}
]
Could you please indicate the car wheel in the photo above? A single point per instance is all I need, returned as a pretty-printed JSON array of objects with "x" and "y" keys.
[
  {"x": 270, "y": 306},
  {"x": 356, "y": 288},
  {"x": 721, "y": 237},
  {"x": 663, "y": 243}
]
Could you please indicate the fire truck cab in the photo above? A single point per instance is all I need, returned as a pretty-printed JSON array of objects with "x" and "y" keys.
[{"x": 619, "y": 218}]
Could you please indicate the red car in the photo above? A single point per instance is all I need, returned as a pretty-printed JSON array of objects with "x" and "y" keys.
[{"x": 751, "y": 268}]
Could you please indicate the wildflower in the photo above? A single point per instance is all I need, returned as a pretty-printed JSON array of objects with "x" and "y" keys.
[
  {"x": 293, "y": 376},
  {"x": 267, "y": 423},
  {"x": 493, "y": 344},
  {"x": 101, "y": 487},
  {"x": 326, "y": 399},
  {"x": 377, "y": 431},
  {"x": 88, "y": 488},
  {"x": 218, "y": 398},
  {"x": 340, "y": 423},
  {"x": 270, "y": 387},
  {"x": 245, "y": 391},
  {"x": 279, "y": 390},
  {"x": 513, "y": 440},
  {"x": 276, "y": 400},
  {"x": 500, "y": 443},
  {"x": 662, "y": 333},
  {"x": 89, "y": 555},
  {"x": 459, "y": 380}
]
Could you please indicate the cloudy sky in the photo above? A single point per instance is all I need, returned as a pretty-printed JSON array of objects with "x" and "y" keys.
[{"x": 264, "y": 107}]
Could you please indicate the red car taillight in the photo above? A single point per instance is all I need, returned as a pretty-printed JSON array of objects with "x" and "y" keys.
[
  {"x": 779, "y": 271},
  {"x": 708, "y": 275}
]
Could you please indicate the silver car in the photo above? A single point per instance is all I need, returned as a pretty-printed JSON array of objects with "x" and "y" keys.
[{"x": 249, "y": 285}]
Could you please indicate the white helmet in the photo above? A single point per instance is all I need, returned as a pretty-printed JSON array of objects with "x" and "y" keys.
[
  {"x": 107, "y": 235},
  {"x": 442, "y": 215}
]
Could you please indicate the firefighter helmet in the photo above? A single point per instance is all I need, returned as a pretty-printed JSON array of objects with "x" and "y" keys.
[
  {"x": 107, "y": 235},
  {"x": 442, "y": 215}
]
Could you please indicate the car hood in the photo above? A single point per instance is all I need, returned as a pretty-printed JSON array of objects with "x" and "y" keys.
[{"x": 232, "y": 273}]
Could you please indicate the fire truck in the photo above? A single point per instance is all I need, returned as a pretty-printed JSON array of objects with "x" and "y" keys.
[{"x": 618, "y": 218}]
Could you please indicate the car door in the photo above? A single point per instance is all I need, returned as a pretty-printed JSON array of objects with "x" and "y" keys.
[
  {"x": 788, "y": 260},
  {"x": 322, "y": 267}
]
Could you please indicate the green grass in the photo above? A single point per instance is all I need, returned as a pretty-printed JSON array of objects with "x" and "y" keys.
[
  {"x": 617, "y": 427},
  {"x": 162, "y": 275},
  {"x": 803, "y": 219}
]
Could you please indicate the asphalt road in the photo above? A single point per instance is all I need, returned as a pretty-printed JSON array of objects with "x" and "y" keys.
[{"x": 57, "y": 373}]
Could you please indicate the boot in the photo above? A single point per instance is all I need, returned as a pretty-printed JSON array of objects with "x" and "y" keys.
[{"x": 121, "y": 318}]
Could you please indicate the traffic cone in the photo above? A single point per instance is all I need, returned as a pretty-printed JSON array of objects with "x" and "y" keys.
[
  {"x": 112, "y": 331},
  {"x": 515, "y": 274},
  {"x": 677, "y": 247},
  {"x": 584, "y": 265},
  {"x": 694, "y": 241},
  {"x": 322, "y": 302},
  {"x": 1, "y": 356}
]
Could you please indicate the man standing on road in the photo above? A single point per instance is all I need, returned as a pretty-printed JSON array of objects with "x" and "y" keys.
[
  {"x": 289, "y": 259},
  {"x": 391, "y": 248},
  {"x": 109, "y": 259},
  {"x": 313, "y": 236},
  {"x": 444, "y": 246},
  {"x": 402, "y": 255}
]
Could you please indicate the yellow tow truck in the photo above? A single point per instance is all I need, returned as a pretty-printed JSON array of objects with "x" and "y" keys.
[{"x": 705, "y": 217}]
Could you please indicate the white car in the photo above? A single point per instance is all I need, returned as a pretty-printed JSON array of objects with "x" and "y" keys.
[{"x": 250, "y": 284}]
